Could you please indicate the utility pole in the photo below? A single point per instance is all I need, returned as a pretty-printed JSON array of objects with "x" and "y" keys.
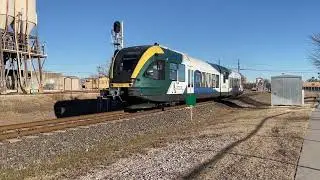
[{"x": 238, "y": 65}]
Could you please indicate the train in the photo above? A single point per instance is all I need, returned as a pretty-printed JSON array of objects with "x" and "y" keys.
[{"x": 154, "y": 75}]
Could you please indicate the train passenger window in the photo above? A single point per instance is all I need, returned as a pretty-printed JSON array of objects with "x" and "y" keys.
[
  {"x": 181, "y": 73},
  {"x": 218, "y": 81},
  {"x": 189, "y": 78},
  {"x": 214, "y": 80},
  {"x": 173, "y": 71},
  {"x": 203, "y": 79},
  {"x": 192, "y": 78},
  {"x": 197, "y": 79},
  {"x": 156, "y": 70}
]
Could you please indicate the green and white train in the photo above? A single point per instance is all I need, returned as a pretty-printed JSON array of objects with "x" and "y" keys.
[{"x": 157, "y": 75}]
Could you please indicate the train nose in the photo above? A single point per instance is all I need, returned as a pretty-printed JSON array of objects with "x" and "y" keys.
[{"x": 134, "y": 92}]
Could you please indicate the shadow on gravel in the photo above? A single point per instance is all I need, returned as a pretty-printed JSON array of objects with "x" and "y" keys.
[
  {"x": 211, "y": 162},
  {"x": 77, "y": 107},
  {"x": 253, "y": 102},
  {"x": 229, "y": 103}
]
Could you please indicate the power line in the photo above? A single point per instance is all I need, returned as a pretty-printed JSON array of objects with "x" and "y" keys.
[{"x": 282, "y": 70}]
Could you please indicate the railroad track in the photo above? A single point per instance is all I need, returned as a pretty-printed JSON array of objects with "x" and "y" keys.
[{"x": 45, "y": 126}]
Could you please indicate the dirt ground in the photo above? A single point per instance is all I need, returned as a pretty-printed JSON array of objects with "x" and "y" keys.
[
  {"x": 246, "y": 144},
  {"x": 26, "y": 108},
  {"x": 243, "y": 139}
]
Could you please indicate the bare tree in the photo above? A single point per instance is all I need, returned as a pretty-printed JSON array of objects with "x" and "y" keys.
[
  {"x": 315, "y": 56},
  {"x": 103, "y": 70}
]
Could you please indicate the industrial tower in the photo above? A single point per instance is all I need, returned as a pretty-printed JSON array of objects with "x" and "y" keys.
[{"x": 21, "y": 55}]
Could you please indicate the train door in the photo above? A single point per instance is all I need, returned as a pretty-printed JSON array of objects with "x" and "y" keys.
[
  {"x": 190, "y": 88},
  {"x": 224, "y": 84},
  {"x": 178, "y": 79}
]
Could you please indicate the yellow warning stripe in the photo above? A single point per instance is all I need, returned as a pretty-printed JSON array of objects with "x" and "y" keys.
[
  {"x": 118, "y": 85},
  {"x": 145, "y": 57}
]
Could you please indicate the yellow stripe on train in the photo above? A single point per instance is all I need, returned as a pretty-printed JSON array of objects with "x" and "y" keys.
[{"x": 145, "y": 57}]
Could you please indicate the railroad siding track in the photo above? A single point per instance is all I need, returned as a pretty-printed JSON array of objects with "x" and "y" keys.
[
  {"x": 36, "y": 127},
  {"x": 31, "y": 128}
]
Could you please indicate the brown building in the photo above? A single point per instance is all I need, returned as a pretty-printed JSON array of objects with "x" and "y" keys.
[
  {"x": 96, "y": 83},
  {"x": 311, "y": 86}
]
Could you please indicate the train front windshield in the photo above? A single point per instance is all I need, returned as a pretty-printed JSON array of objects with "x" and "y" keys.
[{"x": 125, "y": 62}]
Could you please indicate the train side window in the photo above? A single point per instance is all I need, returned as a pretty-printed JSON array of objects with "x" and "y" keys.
[
  {"x": 197, "y": 79},
  {"x": 225, "y": 77},
  {"x": 173, "y": 71},
  {"x": 203, "y": 79},
  {"x": 189, "y": 78},
  {"x": 208, "y": 80},
  {"x": 156, "y": 70},
  {"x": 218, "y": 81},
  {"x": 181, "y": 73},
  {"x": 192, "y": 78},
  {"x": 214, "y": 80}
]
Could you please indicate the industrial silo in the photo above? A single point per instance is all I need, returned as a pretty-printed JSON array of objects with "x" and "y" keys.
[
  {"x": 25, "y": 10},
  {"x": 6, "y": 13},
  {"x": 19, "y": 46}
]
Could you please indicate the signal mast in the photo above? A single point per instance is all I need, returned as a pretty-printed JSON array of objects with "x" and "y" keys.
[{"x": 117, "y": 35}]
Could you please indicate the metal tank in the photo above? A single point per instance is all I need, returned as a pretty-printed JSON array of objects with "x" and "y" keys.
[
  {"x": 6, "y": 13},
  {"x": 26, "y": 11}
]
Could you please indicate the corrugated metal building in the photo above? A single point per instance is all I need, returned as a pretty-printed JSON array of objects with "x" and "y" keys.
[{"x": 286, "y": 90}]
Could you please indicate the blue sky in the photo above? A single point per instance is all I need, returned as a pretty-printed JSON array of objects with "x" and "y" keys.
[{"x": 269, "y": 36}]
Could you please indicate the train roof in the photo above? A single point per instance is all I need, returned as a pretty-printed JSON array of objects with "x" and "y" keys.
[{"x": 221, "y": 69}]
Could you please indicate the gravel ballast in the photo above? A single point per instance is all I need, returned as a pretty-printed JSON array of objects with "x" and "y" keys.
[{"x": 219, "y": 143}]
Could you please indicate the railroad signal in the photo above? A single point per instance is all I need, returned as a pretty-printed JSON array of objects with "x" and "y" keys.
[
  {"x": 117, "y": 27},
  {"x": 117, "y": 35}
]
